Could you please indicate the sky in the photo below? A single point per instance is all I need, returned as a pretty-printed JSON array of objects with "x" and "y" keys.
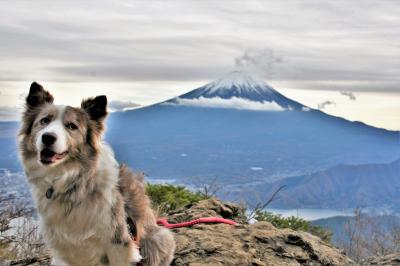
[{"x": 342, "y": 57}]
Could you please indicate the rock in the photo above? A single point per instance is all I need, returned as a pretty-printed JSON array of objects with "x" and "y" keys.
[
  {"x": 388, "y": 260},
  {"x": 208, "y": 208},
  {"x": 246, "y": 244}
]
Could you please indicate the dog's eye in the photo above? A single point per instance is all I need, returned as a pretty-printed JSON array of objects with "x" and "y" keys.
[
  {"x": 71, "y": 126},
  {"x": 45, "y": 121}
]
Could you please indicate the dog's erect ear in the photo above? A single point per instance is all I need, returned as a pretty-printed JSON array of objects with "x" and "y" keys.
[
  {"x": 95, "y": 107},
  {"x": 38, "y": 96}
]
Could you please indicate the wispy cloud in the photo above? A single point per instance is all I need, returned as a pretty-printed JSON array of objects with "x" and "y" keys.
[
  {"x": 261, "y": 61},
  {"x": 117, "y": 106},
  {"x": 349, "y": 94},
  {"x": 324, "y": 104},
  {"x": 231, "y": 103}
]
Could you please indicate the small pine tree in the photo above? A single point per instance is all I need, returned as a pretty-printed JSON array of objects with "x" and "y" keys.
[{"x": 295, "y": 223}]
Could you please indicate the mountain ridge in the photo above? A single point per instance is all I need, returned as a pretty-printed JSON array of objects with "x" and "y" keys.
[{"x": 371, "y": 186}]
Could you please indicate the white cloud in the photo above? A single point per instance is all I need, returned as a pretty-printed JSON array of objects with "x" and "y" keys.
[
  {"x": 117, "y": 106},
  {"x": 260, "y": 61},
  {"x": 232, "y": 103}
]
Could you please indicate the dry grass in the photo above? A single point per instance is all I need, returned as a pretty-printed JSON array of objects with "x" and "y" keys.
[
  {"x": 19, "y": 234},
  {"x": 367, "y": 237}
]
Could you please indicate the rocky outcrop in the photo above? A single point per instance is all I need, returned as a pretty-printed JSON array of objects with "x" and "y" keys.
[
  {"x": 244, "y": 244},
  {"x": 388, "y": 260}
]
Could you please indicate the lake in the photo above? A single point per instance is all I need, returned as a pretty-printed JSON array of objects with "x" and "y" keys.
[{"x": 310, "y": 214}]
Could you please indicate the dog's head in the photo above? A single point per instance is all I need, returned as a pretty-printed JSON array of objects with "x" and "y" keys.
[{"x": 54, "y": 134}]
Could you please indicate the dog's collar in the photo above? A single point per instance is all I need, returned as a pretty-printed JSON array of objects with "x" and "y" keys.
[{"x": 49, "y": 192}]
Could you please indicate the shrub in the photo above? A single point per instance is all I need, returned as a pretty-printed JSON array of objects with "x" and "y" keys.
[
  {"x": 166, "y": 197},
  {"x": 295, "y": 223}
]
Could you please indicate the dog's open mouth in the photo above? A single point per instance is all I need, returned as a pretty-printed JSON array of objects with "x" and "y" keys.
[{"x": 48, "y": 156}]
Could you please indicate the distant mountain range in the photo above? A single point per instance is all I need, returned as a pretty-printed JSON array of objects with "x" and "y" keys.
[
  {"x": 241, "y": 131},
  {"x": 344, "y": 187},
  {"x": 8, "y": 142},
  {"x": 339, "y": 226}
]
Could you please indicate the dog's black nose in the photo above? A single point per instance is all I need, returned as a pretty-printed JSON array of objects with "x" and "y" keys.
[{"x": 48, "y": 139}]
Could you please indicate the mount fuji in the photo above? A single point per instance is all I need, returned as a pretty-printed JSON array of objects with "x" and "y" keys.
[
  {"x": 240, "y": 130},
  {"x": 238, "y": 90}
]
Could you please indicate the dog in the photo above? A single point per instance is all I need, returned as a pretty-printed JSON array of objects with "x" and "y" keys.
[{"x": 92, "y": 210}]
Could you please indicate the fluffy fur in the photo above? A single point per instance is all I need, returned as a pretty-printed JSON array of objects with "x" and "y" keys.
[{"x": 92, "y": 210}]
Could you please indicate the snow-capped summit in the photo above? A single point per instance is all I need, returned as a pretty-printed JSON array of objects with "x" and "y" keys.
[
  {"x": 239, "y": 80},
  {"x": 238, "y": 89}
]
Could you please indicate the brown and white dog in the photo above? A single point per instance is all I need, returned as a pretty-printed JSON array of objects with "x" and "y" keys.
[{"x": 92, "y": 210}]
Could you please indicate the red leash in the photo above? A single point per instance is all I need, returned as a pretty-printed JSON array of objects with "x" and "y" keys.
[{"x": 164, "y": 222}]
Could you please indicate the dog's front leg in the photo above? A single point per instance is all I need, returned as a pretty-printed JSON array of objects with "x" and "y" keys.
[{"x": 122, "y": 250}]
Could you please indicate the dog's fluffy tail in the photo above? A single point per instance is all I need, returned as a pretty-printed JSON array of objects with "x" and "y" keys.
[{"x": 157, "y": 247}]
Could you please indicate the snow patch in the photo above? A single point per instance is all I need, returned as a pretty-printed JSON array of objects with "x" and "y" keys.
[
  {"x": 231, "y": 103},
  {"x": 239, "y": 79}
]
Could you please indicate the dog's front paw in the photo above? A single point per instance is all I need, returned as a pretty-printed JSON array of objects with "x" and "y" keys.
[
  {"x": 57, "y": 262},
  {"x": 136, "y": 257}
]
